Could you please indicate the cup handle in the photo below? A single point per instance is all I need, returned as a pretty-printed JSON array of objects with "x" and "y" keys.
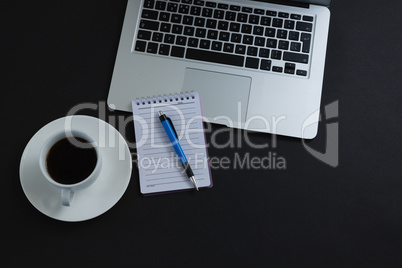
[{"x": 66, "y": 197}]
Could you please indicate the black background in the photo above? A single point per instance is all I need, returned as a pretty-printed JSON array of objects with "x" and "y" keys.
[{"x": 56, "y": 54}]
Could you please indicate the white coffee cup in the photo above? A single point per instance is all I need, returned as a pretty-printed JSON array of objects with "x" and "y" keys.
[{"x": 68, "y": 190}]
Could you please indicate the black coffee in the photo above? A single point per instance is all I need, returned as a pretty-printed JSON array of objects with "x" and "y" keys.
[{"x": 69, "y": 164}]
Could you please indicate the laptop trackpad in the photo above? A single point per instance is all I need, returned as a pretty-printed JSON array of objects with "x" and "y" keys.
[{"x": 222, "y": 95}]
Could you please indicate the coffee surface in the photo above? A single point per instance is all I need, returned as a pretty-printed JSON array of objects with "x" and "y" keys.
[{"x": 68, "y": 164}]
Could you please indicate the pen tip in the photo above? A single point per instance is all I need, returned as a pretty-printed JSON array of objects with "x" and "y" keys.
[
  {"x": 194, "y": 182},
  {"x": 160, "y": 113}
]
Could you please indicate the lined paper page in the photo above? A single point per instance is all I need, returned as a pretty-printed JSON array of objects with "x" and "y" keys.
[{"x": 159, "y": 167}]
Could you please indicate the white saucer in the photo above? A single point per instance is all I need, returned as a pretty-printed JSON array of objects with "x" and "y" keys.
[{"x": 99, "y": 197}]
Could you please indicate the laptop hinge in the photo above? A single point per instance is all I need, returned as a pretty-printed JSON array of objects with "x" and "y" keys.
[{"x": 286, "y": 2}]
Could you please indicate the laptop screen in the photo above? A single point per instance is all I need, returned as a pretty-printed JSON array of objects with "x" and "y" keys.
[{"x": 314, "y": 2}]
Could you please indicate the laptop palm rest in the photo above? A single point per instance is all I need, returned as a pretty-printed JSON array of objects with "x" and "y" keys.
[{"x": 224, "y": 97}]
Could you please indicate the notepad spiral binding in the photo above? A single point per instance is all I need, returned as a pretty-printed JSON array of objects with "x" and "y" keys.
[{"x": 165, "y": 98}]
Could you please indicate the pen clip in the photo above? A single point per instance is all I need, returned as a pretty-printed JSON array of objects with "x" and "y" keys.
[{"x": 171, "y": 123}]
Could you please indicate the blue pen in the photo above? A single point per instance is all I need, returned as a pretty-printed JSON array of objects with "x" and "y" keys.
[{"x": 168, "y": 126}]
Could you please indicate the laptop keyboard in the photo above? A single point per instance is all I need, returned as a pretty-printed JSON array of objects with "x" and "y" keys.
[{"x": 234, "y": 35}]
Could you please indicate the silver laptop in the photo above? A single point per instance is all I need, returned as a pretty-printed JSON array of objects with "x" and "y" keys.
[{"x": 257, "y": 65}]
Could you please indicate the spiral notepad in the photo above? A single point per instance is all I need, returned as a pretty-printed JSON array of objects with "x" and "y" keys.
[{"x": 159, "y": 167}]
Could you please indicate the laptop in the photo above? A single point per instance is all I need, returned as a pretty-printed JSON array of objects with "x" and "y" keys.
[{"x": 257, "y": 65}]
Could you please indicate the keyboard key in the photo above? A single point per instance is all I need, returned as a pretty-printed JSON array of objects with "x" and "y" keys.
[
  {"x": 184, "y": 9},
  {"x": 295, "y": 16},
  {"x": 240, "y": 49},
  {"x": 164, "y": 16},
  {"x": 188, "y": 20},
  {"x": 248, "y": 39},
  {"x": 276, "y": 54},
  {"x": 289, "y": 24},
  {"x": 271, "y": 13},
  {"x": 211, "y": 23},
  {"x": 235, "y": 8},
  {"x": 199, "y": 32},
  {"x": 304, "y": 26},
  {"x": 169, "y": 38},
  {"x": 258, "y": 30},
  {"x": 176, "y": 18},
  {"x": 224, "y": 36},
  {"x": 283, "y": 34},
  {"x": 144, "y": 35},
  {"x": 200, "y": 22},
  {"x": 231, "y": 16},
  {"x": 242, "y": 17},
  {"x": 223, "y": 6},
  {"x": 140, "y": 46},
  {"x": 246, "y": 28},
  {"x": 272, "y": 43},
  {"x": 223, "y": 25},
  {"x": 290, "y": 68},
  {"x": 181, "y": 40},
  {"x": 264, "y": 53},
  {"x": 270, "y": 32},
  {"x": 259, "y": 11},
  {"x": 265, "y": 21},
  {"x": 149, "y": 3},
  {"x": 216, "y": 45},
  {"x": 254, "y": 19},
  {"x": 234, "y": 27},
  {"x": 283, "y": 15},
  {"x": 152, "y": 48},
  {"x": 177, "y": 52},
  {"x": 277, "y": 23},
  {"x": 207, "y": 12},
  {"x": 177, "y": 29},
  {"x": 308, "y": 18},
  {"x": 216, "y": 57},
  {"x": 164, "y": 50},
  {"x": 301, "y": 72},
  {"x": 172, "y": 7},
  {"x": 160, "y": 5},
  {"x": 228, "y": 47},
  {"x": 219, "y": 14},
  {"x": 294, "y": 36},
  {"x": 252, "y": 51},
  {"x": 306, "y": 39},
  {"x": 295, "y": 57},
  {"x": 295, "y": 46},
  {"x": 199, "y": 2},
  {"x": 189, "y": 31},
  {"x": 235, "y": 38},
  {"x": 210, "y": 4},
  {"x": 165, "y": 27},
  {"x": 277, "y": 69},
  {"x": 149, "y": 25},
  {"x": 192, "y": 42},
  {"x": 265, "y": 65},
  {"x": 252, "y": 62},
  {"x": 195, "y": 11},
  {"x": 205, "y": 44},
  {"x": 212, "y": 34},
  {"x": 283, "y": 45},
  {"x": 247, "y": 9},
  {"x": 149, "y": 14},
  {"x": 157, "y": 37},
  {"x": 259, "y": 41}
]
